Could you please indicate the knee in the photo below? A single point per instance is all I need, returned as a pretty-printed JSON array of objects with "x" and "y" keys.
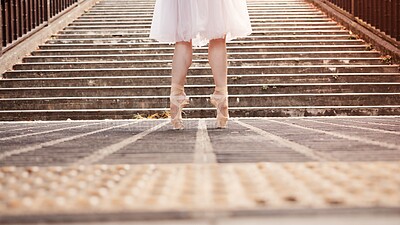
[
  {"x": 184, "y": 53},
  {"x": 218, "y": 41},
  {"x": 183, "y": 46}
]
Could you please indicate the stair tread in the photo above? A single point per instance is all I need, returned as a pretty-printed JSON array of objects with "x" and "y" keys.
[
  {"x": 197, "y": 96},
  {"x": 188, "y": 108},
  {"x": 199, "y": 76},
  {"x": 204, "y": 68},
  {"x": 228, "y": 47},
  {"x": 195, "y": 53},
  {"x": 239, "y": 40},
  {"x": 195, "y": 86},
  {"x": 197, "y": 60}
]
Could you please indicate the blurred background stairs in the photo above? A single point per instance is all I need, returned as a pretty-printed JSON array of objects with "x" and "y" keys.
[{"x": 297, "y": 62}]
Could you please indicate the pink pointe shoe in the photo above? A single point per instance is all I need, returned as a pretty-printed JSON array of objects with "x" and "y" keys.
[
  {"x": 220, "y": 101},
  {"x": 178, "y": 100}
]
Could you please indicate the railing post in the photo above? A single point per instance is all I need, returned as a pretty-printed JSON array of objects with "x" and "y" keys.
[
  {"x": 352, "y": 10},
  {"x": 396, "y": 19},
  {"x": 1, "y": 31},
  {"x": 48, "y": 11}
]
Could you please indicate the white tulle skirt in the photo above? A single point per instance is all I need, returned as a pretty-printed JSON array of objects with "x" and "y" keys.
[{"x": 199, "y": 20}]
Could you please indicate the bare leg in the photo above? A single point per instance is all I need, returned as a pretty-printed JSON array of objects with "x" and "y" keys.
[
  {"x": 217, "y": 56},
  {"x": 181, "y": 62},
  {"x": 180, "y": 65}
]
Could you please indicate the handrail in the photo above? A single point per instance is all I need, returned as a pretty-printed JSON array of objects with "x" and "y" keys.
[
  {"x": 22, "y": 18},
  {"x": 381, "y": 15},
  {"x": 345, "y": 11}
]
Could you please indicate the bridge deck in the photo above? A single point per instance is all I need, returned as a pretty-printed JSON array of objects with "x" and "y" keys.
[{"x": 260, "y": 167}]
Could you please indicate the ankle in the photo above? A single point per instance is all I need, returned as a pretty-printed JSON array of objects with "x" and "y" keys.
[
  {"x": 221, "y": 90},
  {"x": 177, "y": 90}
]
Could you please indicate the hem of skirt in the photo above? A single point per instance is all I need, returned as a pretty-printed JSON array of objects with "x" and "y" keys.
[{"x": 200, "y": 41}]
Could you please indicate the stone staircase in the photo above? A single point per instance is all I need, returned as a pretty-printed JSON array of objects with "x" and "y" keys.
[{"x": 297, "y": 62}]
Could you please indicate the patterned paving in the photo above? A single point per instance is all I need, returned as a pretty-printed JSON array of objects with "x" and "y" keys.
[{"x": 181, "y": 190}]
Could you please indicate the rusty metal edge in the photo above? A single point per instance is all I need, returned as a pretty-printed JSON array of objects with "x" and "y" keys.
[
  {"x": 14, "y": 52},
  {"x": 176, "y": 215},
  {"x": 379, "y": 41}
]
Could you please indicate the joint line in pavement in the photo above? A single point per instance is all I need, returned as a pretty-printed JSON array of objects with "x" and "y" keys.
[
  {"x": 106, "y": 151},
  {"x": 54, "y": 142},
  {"x": 339, "y": 135},
  {"x": 45, "y": 132},
  {"x": 204, "y": 152},
  {"x": 27, "y": 127},
  {"x": 356, "y": 127},
  {"x": 370, "y": 122},
  {"x": 304, "y": 150}
]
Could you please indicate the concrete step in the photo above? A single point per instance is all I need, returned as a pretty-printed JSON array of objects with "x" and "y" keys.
[
  {"x": 136, "y": 19},
  {"x": 254, "y": 37},
  {"x": 283, "y": 11},
  {"x": 147, "y": 24},
  {"x": 200, "y": 80},
  {"x": 204, "y": 71},
  {"x": 96, "y": 53},
  {"x": 296, "y": 34},
  {"x": 88, "y": 21},
  {"x": 133, "y": 42},
  {"x": 68, "y": 56},
  {"x": 196, "y": 63},
  {"x": 85, "y": 19},
  {"x": 253, "y": 8},
  {"x": 128, "y": 49},
  {"x": 264, "y": 28},
  {"x": 234, "y": 89},
  {"x": 263, "y": 5},
  {"x": 290, "y": 111},
  {"x": 111, "y": 14},
  {"x": 201, "y": 101},
  {"x": 149, "y": 17}
]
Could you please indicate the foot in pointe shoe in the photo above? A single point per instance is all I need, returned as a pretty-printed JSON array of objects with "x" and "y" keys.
[
  {"x": 178, "y": 100},
  {"x": 220, "y": 101},
  {"x": 177, "y": 104}
]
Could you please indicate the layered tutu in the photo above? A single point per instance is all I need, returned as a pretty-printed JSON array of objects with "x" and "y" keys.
[{"x": 199, "y": 20}]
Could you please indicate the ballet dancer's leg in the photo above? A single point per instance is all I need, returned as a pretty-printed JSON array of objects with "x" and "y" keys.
[
  {"x": 217, "y": 56},
  {"x": 181, "y": 62},
  {"x": 180, "y": 65}
]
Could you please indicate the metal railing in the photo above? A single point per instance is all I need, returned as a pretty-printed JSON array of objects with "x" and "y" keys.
[
  {"x": 384, "y": 15},
  {"x": 21, "y": 18}
]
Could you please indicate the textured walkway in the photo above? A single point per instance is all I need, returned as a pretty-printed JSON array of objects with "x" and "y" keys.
[
  {"x": 141, "y": 169},
  {"x": 154, "y": 142}
]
